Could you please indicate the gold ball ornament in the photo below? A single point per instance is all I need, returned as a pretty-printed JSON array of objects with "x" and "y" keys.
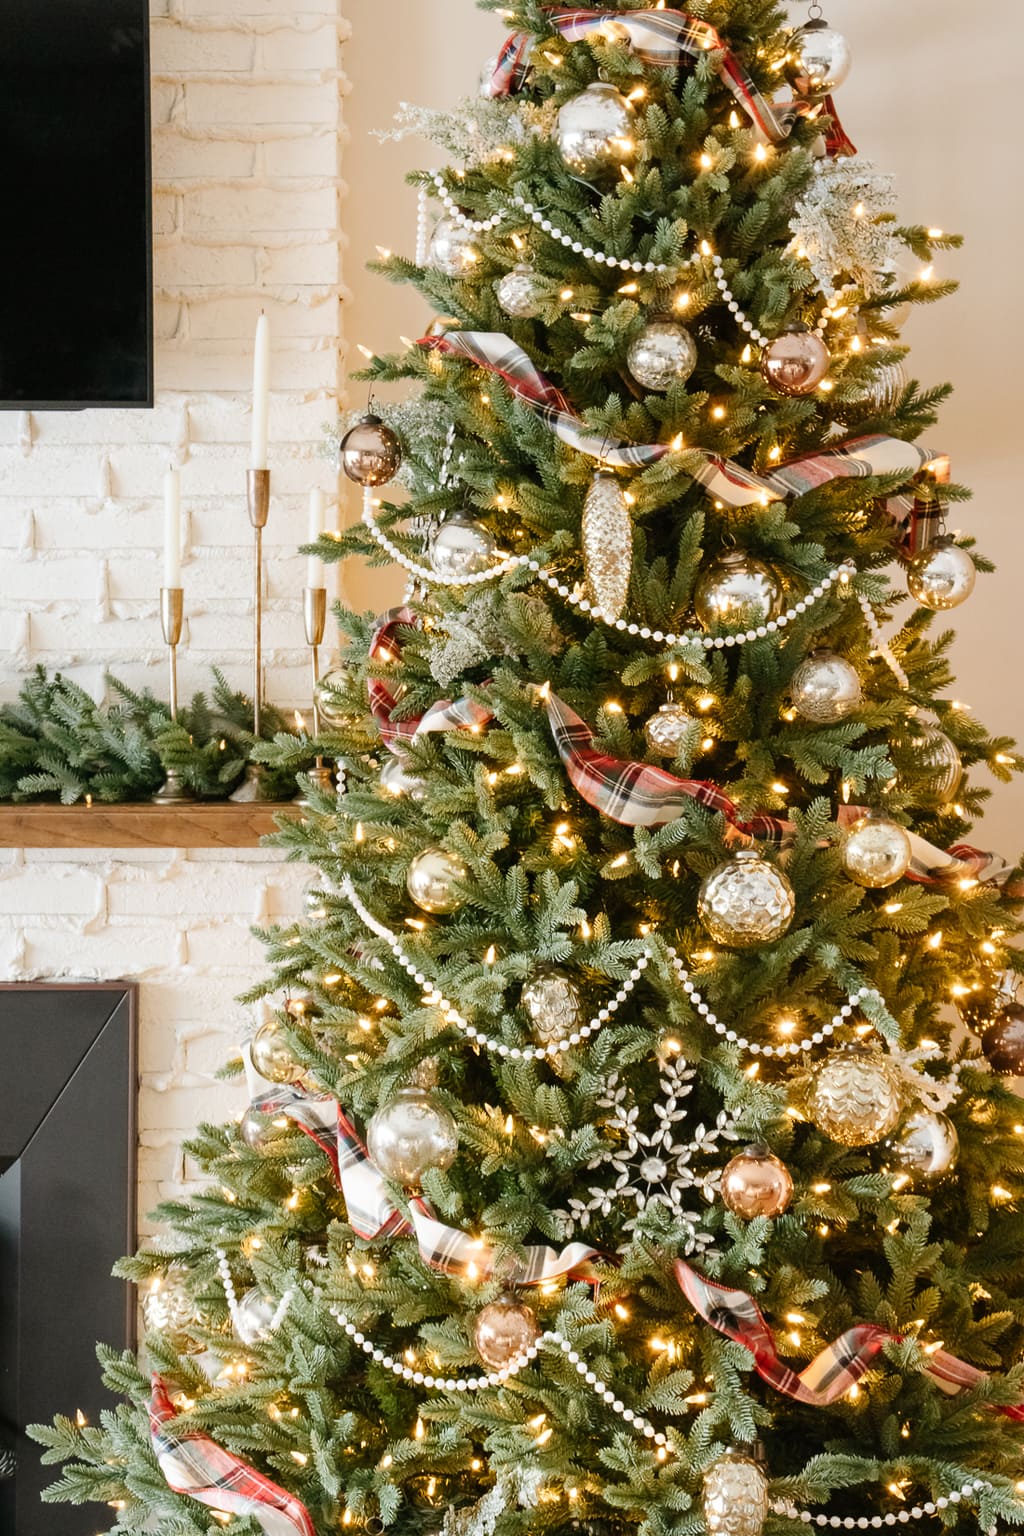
[
  {"x": 411, "y": 1134},
  {"x": 595, "y": 131},
  {"x": 825, "y": 688},
  {"x": 663, "y": 354},
  {"x": 746, "y": 902},
  {"x": 460, "y": 548},
  {"x": 856, "y": 1098},
  {"x": 942, "y": 576},
  {"x": 926, "y": 1146},
  {"x": 432, "y": 880},
  {"x": 272, "y": 1056},
  {"x": 504, "y": 1331},
  {"x": 877, "y": 852},
  {"x": 521, "y": 292},
  {"x": 735, "y": 1497},
  {"x": 666, "y": 730},
  {"x": 757, "y": 1183},
  {"x": 736, "y": 590},
  {"x": 371, "y": 453},
  {"x": 821, "y": 58},
  {"x": 553, "y": 1003},
  {"x": 795, "y": 362},
  {"x": 168, "y": 1308},
  {"x": 451, "y": 249}
]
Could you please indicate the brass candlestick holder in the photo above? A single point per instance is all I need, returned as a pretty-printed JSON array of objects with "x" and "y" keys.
[
  {"x": 172, "y": 615},
  {"x": 314, "y": 616},
  {"x": 257, "y": 484}
]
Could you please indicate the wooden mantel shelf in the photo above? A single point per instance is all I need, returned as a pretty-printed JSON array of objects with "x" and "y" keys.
[{"x": 138, "y": 826}]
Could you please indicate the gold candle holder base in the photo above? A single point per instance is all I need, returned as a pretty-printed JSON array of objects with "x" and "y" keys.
[
  {"x": 257, "y": 486},
  {"x": 173, "y": 790},
  {"x": 254, "y": 788},
  {"x": 172, "y": 615},
  {"x": 322, "y": 778}
]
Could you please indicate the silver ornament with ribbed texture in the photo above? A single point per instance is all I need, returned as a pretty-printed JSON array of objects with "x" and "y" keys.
[
  {"x": 941, "y": 576},
  {"x": 451, "y": 249},
  {"x": 411, "y": 1134},
  {"x": 825, "y": 688},
  {"x": 736, "y": 591},
  {"x": 595, "y": 131},
  {"x": 820, "y": 56},
  {"x": 926, "y": 1146},
  {"x": 735, "y": 1496},
  {"x": 933, "y": 754},
  {"x": 607, "y": 537},
  {"x": 552, "y": 1000},
  {"x": 521, "y": 292},
  {"x": 460, "y": 547},
  {"x": 856, "y": 1098},
  {"x": 746, "y": 901},
  {"x": 886, "y": 387},
  {"x": 432, "y": 879},
  {"x": 877, "y": 852},
  {"x": 666, "y": 730},
  {"x": 663, "y": 354}
]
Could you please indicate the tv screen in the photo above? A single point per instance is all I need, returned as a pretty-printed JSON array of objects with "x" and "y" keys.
[{"x": 75, "y": 264}]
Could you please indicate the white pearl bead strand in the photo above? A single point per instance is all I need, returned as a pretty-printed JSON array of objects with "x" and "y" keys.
[
  {"x": 789, "y": 1511},
  {"x": 224, "y": 1270}
]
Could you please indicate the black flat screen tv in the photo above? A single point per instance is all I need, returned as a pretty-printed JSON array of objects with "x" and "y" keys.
[{"x": 76, "y": 310}]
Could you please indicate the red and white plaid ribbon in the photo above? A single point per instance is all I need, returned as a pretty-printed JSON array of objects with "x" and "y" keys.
[
  {"x": 372, "y": 1212},
  {"x": 667, "y": 38},
  {"x": 447, "y": 715},
  {"x": 196, "y": 1466},
  {"x": 832, "y": 1373}
]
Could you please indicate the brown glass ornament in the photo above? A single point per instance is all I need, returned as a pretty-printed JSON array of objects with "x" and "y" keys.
[
  {"x": 1003, "y": 1042},
  {"x": 504, "y": 1331}
]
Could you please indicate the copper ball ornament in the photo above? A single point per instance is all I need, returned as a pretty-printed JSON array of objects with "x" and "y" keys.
[
  {"x": 736, "y": 590},
  {"x": 821, "y": 58},
  {"x": 663, "y": 354},
  {"x": 795, "y": 362},
  {"x": 432, "y": 879},
  {"x": 942, "y": 576},
  {"x": 504, "y": 1331},
  {"x": 272, "y": 1055},
  {"x": 877, "y": 852},
  {"x": 666, "y": 730},
  {"x": 856, "y": 1098},
  {"x": 410, "y": 1135},
  {"x": 926, "y": 1146},
  {"x": 371, "y": 453},
  {"x": 757, "y": 1183},
  {"x": 1003, "y": 1041},
  {"x": 595, "y": 131},
  {"x": 825, "y": 688},
  {"x": 746, "y": 902},
  {"x": 459, "y": 547}
]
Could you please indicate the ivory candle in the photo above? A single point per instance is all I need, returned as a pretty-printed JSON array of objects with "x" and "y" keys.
[
  {"x": 261, "y": 394},
  {"x": 314, "y": 568},
  {"x": 172, "y": 528}
]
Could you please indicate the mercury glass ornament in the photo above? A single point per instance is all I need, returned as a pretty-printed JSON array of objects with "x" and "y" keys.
[
  {"x": 332, "y": 702},
  {"x": 253, "y": 1317},
  {"x": 941, "y": 576},
  {"x": 260, "y": 1131},
  {"x": 411, "y": 1134},
  {"x": 856, "y": 1098},
  {"x": 552, "y": 1000},
  {"x": 666, "y": 730},
  {"x": 521, "y": 292},
  {"x": 595, "y": 130},
  {"x": 433, "y": 875},
  {"x": 926, "y": 1145},
  {"x": 825, "y": 688},
  {"x": 1003, "y": 1042},
  {"x": 735, "y": 1496},
  {"x": 272, "y": 1056},
  {"x": 877, "y": 852},
  {"x": 607, "y": 539},
  {"x": 371, "y": 453},
  {"x": 663, "y": 354},
  {"x": 746, "y": 901},
  {"x": 934, "y": 754},
  {"x": 821, "y": 58},
  {"x": 451, "y": 249},
  {"x": 795, "y": 362},
  {"x": 395, "y": 779},
  {"x": 736, "y": 591},
  {"x": 504, "y": 1331},
  {"x": 168, "y": 1308},
  {"x": 886, "y": 387},
  {"x": 757, "y": 1183},
  {"x": 459, "y": 547}
]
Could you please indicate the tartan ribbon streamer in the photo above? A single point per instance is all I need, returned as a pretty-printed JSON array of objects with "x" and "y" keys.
[
  {"x": 666, "y": 38},
  {"x": 836, "y": 1369},
  {"x": 447, "y": 715},
  {"x": 723, "y": 479},
  {"x": 372, "y": 1212},
  {"x": 196, "y": 1466}
]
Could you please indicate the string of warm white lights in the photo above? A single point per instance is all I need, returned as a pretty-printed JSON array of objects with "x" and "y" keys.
[
  {"x": 452, "y": 1015},
  {"x": 789, "y": 1511},
  {"x": 234, "y": 1311}
]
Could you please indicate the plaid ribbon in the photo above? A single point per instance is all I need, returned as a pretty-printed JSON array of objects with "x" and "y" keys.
[
  {"x": 373, "y": 1214},
  {"x": 196, "y": 1466},
  {"x": 723, "y": 479},
  {"x": 832, "y": 1373},
  {"x": 447, "y": 715},
  {"x": 665, "y": 38}
]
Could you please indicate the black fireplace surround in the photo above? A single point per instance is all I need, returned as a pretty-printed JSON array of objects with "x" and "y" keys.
[{"x": 67, "y": 1213}]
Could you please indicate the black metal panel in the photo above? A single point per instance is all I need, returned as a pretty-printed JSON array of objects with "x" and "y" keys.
[{"x": 67, "y": 1213}]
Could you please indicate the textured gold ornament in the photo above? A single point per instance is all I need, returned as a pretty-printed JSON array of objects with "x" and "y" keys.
[
  {"x": 168, "y": 1308},
  {"x": 552, "y": 1000},
  {"x": 856, "y": 1098},
  {"x": 735, "y": 1496},
  {"x": 607, "y": 546},
  {"x": 746, "y": 901}
]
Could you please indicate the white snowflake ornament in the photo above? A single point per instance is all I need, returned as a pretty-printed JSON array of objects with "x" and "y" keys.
[{"x": 843, "y": 226}]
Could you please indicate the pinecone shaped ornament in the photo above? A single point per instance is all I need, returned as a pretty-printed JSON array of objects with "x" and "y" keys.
[
  {"x": 607, "y": 546},
  {"x": 735, "y": 1496}
]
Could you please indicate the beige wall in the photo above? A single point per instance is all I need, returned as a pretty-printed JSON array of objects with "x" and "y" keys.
[{"x": 927, "y": 100}]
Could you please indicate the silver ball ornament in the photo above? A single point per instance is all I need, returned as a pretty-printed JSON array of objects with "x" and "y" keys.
[
  {"x": 877, "y": 852},
  {"x": 666, "y": 730},
  {"x": 926, "y": 1146},
  {"x": 821, "y": 58},
  {"x": 856, "y": 1098},
  {"x": 332, "y": 700},
  {"x": 451, "y": 249},
  {"x": 504, "y": 1331},
  {"x": 746, "y": 902},
  {"x": 272, "y": 1056},
  {"x": 253, "y": 1317},
  {"x": 395, "y": 779},
  {"x": 932, "y": 753},
  {"x": 488, "y": 70},
  {"x": 757, "y": 1183},
  {"x": 825, "y": 688},
  {"x": 735, "y": 1497},
  {"x": 553, "y": 1003},
  {"x": 371, "y": 453},
  {"x": 432, "y": 878},
  {"x": 261, "y": 1132},
  {"x": 595, "y": 130},
  {"x": 663, "y": 354},
  {"x": 795, "y": 362},
  {"x": 459, "y": 547},
  {"x": 410, "y": 1135},
  {"x": 736, "y": 591},
  {"x": 521, "y": 292},
  {"x": 941, "y": 576},
  {"x": 168, "y": 1308}
]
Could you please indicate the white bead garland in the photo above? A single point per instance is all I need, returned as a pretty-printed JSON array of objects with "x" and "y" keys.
[
  {"x": 478, "y": 226},
  {"x": 791, "y": 1047},
  {"x": 741, "y": 319},
  {"x": 422, "y": 236},
  {"x": 224, "y": 1270},
  {"x": 789, "y": 1511},
  {"x": 452, "y": 1016},
  {"x": 425, "y": 573},
  {"x": 880, "y": 643}
]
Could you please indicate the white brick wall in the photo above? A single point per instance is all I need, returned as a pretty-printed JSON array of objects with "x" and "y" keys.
[{"x": 246, "y": 144}]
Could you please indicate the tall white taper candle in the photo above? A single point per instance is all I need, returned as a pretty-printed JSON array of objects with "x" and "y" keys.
[
  {"x": 314, "y": 568},
  {"x": 261, "y": 394},
  {"x": 172, "y": 528}
]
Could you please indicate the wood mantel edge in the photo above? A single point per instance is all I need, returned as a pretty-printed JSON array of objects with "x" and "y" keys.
[{"x": 139, "y": 826}]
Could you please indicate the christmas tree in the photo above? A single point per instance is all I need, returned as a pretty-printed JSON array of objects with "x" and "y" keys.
[{"x": 636, "y": 1147}]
